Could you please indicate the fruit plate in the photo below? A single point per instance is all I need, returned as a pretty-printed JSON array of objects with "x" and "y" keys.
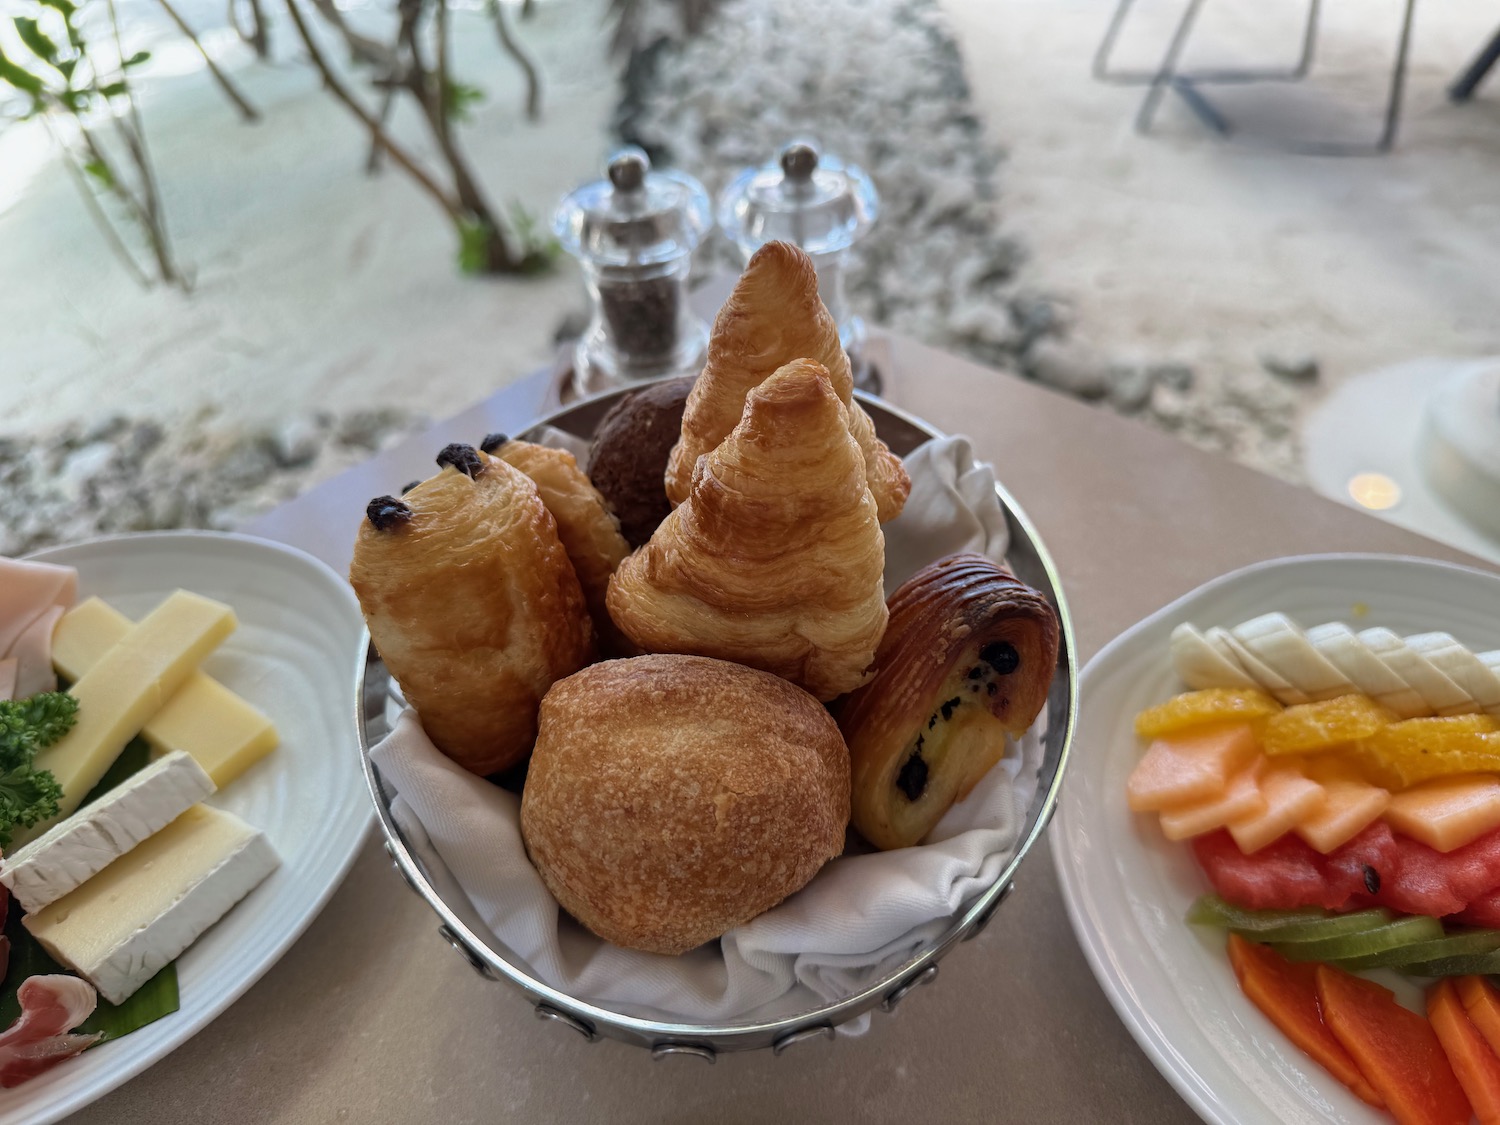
[
  {"x": 294, "y": 656},
  {"x": 1127, "y": 888},
  {"x": 463, "y": 929}
]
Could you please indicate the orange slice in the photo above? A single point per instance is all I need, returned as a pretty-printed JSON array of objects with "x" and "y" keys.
[{"x": 1204, "y": 708}]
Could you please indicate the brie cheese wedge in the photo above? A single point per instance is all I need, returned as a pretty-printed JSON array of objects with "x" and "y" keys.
[
  {"x": 94, "y": 837},
  {"x": 119, "y": 928}
]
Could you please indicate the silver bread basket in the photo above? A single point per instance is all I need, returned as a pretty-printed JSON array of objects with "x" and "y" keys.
[{"x": 461, "y": 928}]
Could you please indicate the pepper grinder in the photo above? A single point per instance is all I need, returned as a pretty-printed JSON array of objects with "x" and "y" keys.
[
  {"x": 823, "y": 205},
  {"x": 634, "y": 233}
]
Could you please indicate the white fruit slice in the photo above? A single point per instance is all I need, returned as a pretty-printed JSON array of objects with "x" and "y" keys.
[
  {"x": 1461, "y": 666},
  {"x": 1200, "y": 665},
  {"x": 1278, "y": 641},
  {"x": 1441, "y": 693},
  {"x": 1268, "y": 678},
  {"x": 1348, "y": 654},
  {"x": 1490, "y": 660}
]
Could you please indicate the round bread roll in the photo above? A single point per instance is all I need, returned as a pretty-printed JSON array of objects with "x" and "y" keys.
[{"x": 671, "y": 798}]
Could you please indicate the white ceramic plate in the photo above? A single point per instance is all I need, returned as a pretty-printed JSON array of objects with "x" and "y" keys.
[
  {"x": 294, "y": 656},
  {"x": 1127, "y": 888}
]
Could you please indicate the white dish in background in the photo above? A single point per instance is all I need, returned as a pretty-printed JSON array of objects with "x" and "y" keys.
[
  {"x": 295, "y": 656},
  {"x": 1127, "y": 888}
]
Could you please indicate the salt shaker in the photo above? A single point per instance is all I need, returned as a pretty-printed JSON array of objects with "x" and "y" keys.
[
  {"x": 634, "y": 233},
  {"x": 818, "y": 202}
]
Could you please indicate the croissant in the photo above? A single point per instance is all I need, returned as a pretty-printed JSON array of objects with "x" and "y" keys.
[
  {"x": 775, "y": 316},
  {"x": 774, "y": 559},
  {"x": 967, "y": 658},
  {"x": 473, "y": 605},
  {"x": 589, "y": 534}
]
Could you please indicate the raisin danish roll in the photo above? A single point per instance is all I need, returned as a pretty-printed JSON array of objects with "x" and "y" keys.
[
  {"x": 473, "y": 605},
  {"x": 967, "y": 659}
]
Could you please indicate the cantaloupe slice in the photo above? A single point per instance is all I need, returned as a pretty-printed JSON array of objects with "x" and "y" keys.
[
  {"x": 1187, "y": 768},
  {"x": 1482, "y": 1004},
  {"x": 1241, "y": 799},
  {"x": 1350, "y": 805},
  {"x": 1290, "y": 796},
  {"x": 1395, "y": 1049},
  {"x": 1287, "y": 994},
  {"x": 1474, "y": 1064},
  {"x": 1447, "y": 813}
]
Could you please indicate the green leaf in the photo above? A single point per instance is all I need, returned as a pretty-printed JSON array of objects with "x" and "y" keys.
[
  {"x": 100, "y": 171},
  {"x": 135, "y": 60},
  {"x": 156, "y": 998},
  {"x": 474, "y": 245},
  {"x": 114, "y": 89},
  {"x": 459, "y": 98},
  {"x": 67, "y": 9},
  {"x": 34, "y": 37},
  {"x": 19, "y": 78}
]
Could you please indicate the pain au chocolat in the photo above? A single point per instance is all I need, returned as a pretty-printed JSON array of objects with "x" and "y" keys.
[
  {"x": 967, "y": 659},
  {"x": 473, "y": 605},
  {"x": 774, "y": 558},
  {"x": 672, "y": 798},
  {"x": 773, "y": 317}
]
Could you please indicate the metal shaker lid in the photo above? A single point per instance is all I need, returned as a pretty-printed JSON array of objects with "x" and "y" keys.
[
  {"x": 805, "y": 196},
  {"x": 634, "y": 216}
]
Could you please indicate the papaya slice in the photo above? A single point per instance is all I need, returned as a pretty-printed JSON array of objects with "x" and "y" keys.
[
  {"x": 1395, "y": 1049},
  {"x": 1474, "y": 1064},
  {"x": 1482, "y": 1004},
  {"x": 1287, "y": 995}
]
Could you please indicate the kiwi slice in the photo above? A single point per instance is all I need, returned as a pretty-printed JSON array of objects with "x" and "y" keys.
[
  {"x": 1461, "y": 966},
  {"x": 1344, "y": 947},
  {"x": 1467, "y": 943},
  {"x": 1303, "y": 924}
]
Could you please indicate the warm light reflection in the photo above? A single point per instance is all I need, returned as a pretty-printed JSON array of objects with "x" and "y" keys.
[{"x": 1375, "y": 491}]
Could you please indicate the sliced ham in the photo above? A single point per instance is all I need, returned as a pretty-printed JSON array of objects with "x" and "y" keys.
[
  {"x": 51, "y": 1006},
  {"x": 32, "y": 597}
]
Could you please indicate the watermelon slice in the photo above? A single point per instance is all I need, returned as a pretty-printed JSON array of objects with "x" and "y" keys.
[
  {"x": 1482, "y": 911},
  {"x": 1283, "y": 874},
  {"x": 1376, "y": 868}
]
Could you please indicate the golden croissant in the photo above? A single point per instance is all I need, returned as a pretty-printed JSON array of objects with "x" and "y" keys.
[
  {"x": 967, "y": 659},
  {"x": 774, "y": 559},
  {"x": 589, "y": 534},
  {"x": 775, "y": 316},
  {"x": 473, "y": 605}
]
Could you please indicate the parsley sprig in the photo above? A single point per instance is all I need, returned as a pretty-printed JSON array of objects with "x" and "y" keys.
[{"x": 27, "y": 794}]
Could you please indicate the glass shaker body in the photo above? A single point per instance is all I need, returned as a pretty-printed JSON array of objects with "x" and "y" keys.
[
  {"x": 820, "y": 204},
  {"x": 634, "y": 234}
]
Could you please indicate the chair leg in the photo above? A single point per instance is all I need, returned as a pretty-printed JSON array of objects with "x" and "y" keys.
[
  {"x": 1166, "y": 74},
  {"x": 1398, "y": 82},
  {"x": 1463, "y": 89},
  {"x": 1225, "y": 76}
]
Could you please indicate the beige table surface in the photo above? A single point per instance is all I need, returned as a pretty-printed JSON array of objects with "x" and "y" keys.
[{"x": 370, "y": 1018}]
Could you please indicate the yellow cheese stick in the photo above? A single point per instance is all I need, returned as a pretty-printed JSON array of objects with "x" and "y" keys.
[
  {"x": 126, "y": 687},
  {"x": 223, "y": 733}
]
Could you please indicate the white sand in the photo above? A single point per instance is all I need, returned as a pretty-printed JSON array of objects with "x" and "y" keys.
[
  {"x": 1182, "y": 246},
  {"x": 316, "y": 287}
]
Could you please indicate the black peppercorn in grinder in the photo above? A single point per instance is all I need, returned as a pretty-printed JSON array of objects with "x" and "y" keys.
[{"x": 634, "y": 234}]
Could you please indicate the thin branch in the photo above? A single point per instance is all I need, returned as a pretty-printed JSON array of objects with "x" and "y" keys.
[
  {"x": 512, "y": 47},
  {"x": 91, "y": 202},
  {"x": 256, "y": 35},
  {"x": 247, "y": 111},
  {"x": 378, "y": 135},
  {"x": 363, "y": 48},
  {"x": 136, "y": 137}
]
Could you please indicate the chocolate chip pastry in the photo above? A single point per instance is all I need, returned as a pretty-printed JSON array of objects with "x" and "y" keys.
[{"x": 966, "y": 660}]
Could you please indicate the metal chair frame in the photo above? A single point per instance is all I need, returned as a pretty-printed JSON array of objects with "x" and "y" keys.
[{"x": 1186, "y": 83}]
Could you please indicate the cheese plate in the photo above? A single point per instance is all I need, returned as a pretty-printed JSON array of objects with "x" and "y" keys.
[{"x": 295, "y": 657}]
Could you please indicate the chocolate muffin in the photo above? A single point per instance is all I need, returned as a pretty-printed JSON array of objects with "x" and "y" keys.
[{"x": 628, "y": 460}]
